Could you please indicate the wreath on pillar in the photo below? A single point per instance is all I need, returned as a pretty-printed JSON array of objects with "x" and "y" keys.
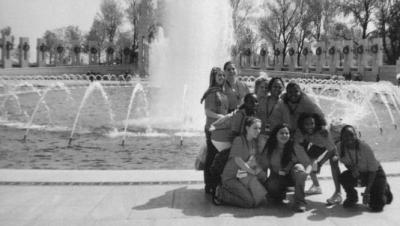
[
  {"x": 9, "y": 46},
  {"x": 42, "y": 48},
  {"x": 360, "y": 49},
  {"x": 110, "y": 50},
  {"x": 374, "y": 48},
  {"x": 318, "y": 51},
  {"x": 305, "y": 51},
  {"x": 126, "y": 51},
  {"x": 263, "y": 52},
  {"x": 346, "y": 50},
  {"x": 93, "y": 50},
  {"x": 247, "y": 52},
  {"x": 77, "y": 49},
  {"x": 277, "y": 52},
  {"x": 60, "y": 49},
  {"x": 25, "y": 47},
  {"x": 332, "y": 50},
  {"x": 291, "y": 51}
]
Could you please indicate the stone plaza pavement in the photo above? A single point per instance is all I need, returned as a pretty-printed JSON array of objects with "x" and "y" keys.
[{"x": 161, "y": 197}]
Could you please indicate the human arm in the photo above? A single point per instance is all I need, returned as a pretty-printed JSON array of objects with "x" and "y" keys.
[{"x": 210, "y": 113}]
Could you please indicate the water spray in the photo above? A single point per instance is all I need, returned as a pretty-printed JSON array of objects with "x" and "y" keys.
[{"x": 183, "y": 111}]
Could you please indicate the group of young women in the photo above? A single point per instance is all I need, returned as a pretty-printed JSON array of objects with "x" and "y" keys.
[{"x": 260, "y": 144}]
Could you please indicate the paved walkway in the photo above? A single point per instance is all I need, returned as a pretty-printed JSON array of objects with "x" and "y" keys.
[{"x": 165, "y": 197}]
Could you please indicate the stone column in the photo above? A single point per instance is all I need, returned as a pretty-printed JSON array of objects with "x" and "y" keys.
[
  {"x": 110, "y": 50},
  {"x": 126, "y": 55},
  {"x": 278, "y": 57},
  {"x": 6, "y": 51},
  {"x": 94, "y": 52},
  {"x": 59, "y": 51},
  {"x": 306, "y": 57},
  {"x": 247, "y": 56},
  {"x": 361, "y": 56},
  {"x": 263, "y": 56},
  {"x": 320, "y": 52},
  {"x": 332, "y": 58},
  {"x": 75, "y": 52},
  {"x": 347, "y": 51},
  {"x": 292, "y": 57},
  {"x": 24, "y": 48},
  {"x": 376, "y": 51},
  {"x": 41, "y": 50}
]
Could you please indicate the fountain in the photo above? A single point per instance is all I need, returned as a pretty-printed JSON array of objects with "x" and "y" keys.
[{"x": 123, "y": 122}]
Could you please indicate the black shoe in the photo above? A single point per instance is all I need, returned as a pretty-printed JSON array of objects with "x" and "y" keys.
[
  {"x": 209, "y": 190},
  {"x": 216, "y": 197},
  {"x": 350, "y": 202},
  {"x": 388, "y": 194}
]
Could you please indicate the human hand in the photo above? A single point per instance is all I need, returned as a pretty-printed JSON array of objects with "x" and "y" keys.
[
  {"x": 309, "y": 169},
  {"x": 366, "y": 198},
  {"x": 355, "y": 172},
  {"x": 282, "y": 173}
]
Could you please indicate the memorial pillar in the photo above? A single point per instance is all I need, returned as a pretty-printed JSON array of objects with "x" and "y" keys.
[
  {"x": 60, "y": 51},
  {"x": 76, "y": 52},
  {"x": 347, "y": 51},
  {"x": 376, "y": 51},
  {"x": 8, "y": 46},
  {"x": 306, "y": 57},
  {"x": 41, "y": 50},
  {"x": 292, "y": 57},
  {"x": 94, "y": 52},
  {"x": 278, "y": 57},
  {"x": 320, "y": 52},
  {"x": 24, "y": 48}
]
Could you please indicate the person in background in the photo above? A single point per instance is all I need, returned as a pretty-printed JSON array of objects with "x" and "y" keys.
[
  {"x": 261, "y": 90},
  {"x": 216, "y": 106},
  {"x": 240, "y": 184},
  {"x": 314, "y": 140},
  {"x": 234, "y": 89},
  {"x": 364, "y": 170}
]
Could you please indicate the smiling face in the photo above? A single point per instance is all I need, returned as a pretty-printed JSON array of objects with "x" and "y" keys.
[
  {"x": 230, "y": 70},
  {"x": 276, "y": 88},
  {"x": 220, "y": 78},
  {"x": 250, "y": 104},
  {"x": 262, "y": 89},
  {"x": 283, "y": 136},
  {"x": 309, "y": 125},
  {"x": 253, "y": 130},
  {"x": 293, "y": 94}
]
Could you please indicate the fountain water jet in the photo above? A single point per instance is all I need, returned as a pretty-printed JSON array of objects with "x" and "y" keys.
[
  {"x": 93, "y": 86},
  {"x": 137, "y": 88}
]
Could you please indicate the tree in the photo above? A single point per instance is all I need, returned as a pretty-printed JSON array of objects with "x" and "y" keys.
[
  {"x": 97, "y": 34},
  {"x": 111, "y": 16},
  {"x": 51, "y": 40},
  {"x": 284, "y": 17},
  {"x": 362, "y": 12},
  {"x": 243, "y": 33},
  {"x": 5, "y": 31}
]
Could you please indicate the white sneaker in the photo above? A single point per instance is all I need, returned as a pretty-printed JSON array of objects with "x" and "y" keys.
[
  {"x": 335, "y": 199},
  {"x": 314, "y": 190}
]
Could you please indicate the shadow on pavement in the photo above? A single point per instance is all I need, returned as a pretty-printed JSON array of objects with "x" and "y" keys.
[{"x": 194, "y": 202}]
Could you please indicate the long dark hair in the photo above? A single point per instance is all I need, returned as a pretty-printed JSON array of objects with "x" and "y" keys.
[
  {"x": 320, "y": 122},
  {"x": 271, "y": 82},
  {"x": 272, "y": 143},
  {"x": 213, "y": 86},
  {"x": 342, "y": 131}
]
